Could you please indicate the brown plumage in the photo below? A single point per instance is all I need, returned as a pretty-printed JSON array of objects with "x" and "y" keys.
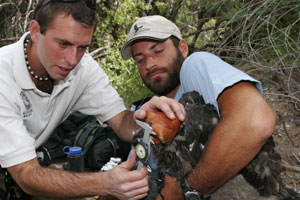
[{"x": 183, "y": 153}]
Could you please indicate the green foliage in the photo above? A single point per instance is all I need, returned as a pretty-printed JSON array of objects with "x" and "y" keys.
[
  {"x": 163, "y": 7},
  {"x": 266, "y": 30},
  {"x": 261, "y": 36},
  {"x": 125, "y": 77},
  {"x": 112, "y": 32}
]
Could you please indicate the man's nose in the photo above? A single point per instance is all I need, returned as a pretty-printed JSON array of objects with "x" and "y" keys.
[
  {"x": 71, "y": 57},
  {"x": 151, "y": 62}
]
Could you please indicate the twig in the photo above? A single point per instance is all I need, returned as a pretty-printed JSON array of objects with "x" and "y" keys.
[
  {"x": 285, "y": 130},
  {"x": 28, "y": 11},
  {"x": 287, "y": 133},
  {"x": 296, "y": 157},
  {"x": 289, "y": 167}
]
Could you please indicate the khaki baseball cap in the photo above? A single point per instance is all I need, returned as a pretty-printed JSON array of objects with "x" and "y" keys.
[{"x": 153, "y": 27}]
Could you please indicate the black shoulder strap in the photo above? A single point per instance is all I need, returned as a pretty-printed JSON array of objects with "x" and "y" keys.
[{"x": 86, "y": 135}]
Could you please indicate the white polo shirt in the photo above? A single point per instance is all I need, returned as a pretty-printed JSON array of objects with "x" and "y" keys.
[{"x": 28, "y": 116}]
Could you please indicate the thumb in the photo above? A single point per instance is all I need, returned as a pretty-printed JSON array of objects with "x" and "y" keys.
[
  {"x": 130, "y": 163},
  {"x": 140, "y": 114}
]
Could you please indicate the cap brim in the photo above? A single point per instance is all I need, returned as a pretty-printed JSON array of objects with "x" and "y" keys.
[{"x": 126, "y": 50}]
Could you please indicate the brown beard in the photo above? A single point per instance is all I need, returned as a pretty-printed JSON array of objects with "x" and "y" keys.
[{"x": 163, "y": 87}]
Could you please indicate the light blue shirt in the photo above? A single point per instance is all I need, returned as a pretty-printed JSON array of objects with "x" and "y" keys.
[{"x": 209, "y": 75}]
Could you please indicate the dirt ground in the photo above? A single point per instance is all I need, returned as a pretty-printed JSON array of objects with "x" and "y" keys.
[
  {"x": 287, "y": 139},
  {"x": 287, "y": 136}
]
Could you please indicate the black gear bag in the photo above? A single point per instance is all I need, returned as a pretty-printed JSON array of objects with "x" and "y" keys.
[{"x": 99, "y": 143}]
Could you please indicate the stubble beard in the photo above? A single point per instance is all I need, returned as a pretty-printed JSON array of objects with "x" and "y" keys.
[{"x": 162, "y": 87}]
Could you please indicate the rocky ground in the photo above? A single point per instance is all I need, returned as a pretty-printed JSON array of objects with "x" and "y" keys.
[{"x": 287, "y": 139}]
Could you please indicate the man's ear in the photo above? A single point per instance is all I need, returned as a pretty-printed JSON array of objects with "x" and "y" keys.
[
  {"x": 183, "y": 47},
  {"x": 34, "y": 29}
]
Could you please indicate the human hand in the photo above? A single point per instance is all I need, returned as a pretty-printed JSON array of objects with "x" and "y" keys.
[
  {"x": 170, "y": 107},
  {"x": 126, "y": 184},
  {"x": 165, "y": 129}
]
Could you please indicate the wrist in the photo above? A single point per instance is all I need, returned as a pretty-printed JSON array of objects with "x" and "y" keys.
[
  {"x": 190, "y": 193},
  {"x": 104, "y": 183}
]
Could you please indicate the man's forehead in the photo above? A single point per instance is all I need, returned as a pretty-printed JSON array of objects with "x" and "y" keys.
[
  {"x": 66, "y": 29},
  {"x": 148, "y": 42}
]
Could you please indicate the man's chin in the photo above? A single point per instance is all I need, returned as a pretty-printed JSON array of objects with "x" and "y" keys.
[
  {"x": 156, "y": 86},
  {"x": 162, "y": 89},
  {"x": 157, "y": 90},
  {"x": 58, "y": 77}
]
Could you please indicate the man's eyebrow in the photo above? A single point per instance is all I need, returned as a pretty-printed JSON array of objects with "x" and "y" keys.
[
  {"x": 64, "y": 41},
  {"x": 151, "y": 47},
  {"x": 154, "y": 45},
  {"x": 136, "y": 54},
  {"x": 85, "y": 46},
  {"x": 70, "y": 43}
]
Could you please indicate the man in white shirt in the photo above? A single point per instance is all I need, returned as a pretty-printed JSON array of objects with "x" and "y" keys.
[{"x": 44, "y": 77}]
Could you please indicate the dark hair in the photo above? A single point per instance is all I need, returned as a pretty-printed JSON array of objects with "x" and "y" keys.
[
  {"x": 175, "y": 41},
  {"x": 78, "y": 10}
]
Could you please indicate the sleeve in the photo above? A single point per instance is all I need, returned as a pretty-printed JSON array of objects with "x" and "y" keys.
[
  {"x": 210, "y": 75},
  {"x": 16, "y": 144}
]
